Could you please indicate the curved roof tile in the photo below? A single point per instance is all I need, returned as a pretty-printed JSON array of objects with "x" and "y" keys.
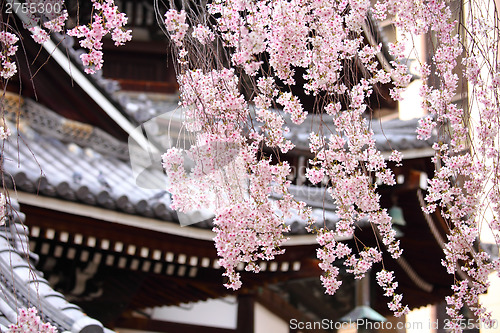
[{"x": 24, "y": 286}]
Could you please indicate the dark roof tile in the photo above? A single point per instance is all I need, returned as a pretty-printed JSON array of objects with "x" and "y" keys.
[{"x": 24, "y": 286}]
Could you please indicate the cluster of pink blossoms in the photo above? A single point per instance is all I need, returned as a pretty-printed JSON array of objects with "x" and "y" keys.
[
  {"x": 252, "y": 230},
  {"x": 106, "y": 19},
  {"x": 385, "y": 279},
  {"x": 315, "y": 36},
  {"x": 227, "y": 174},
  {"x": 28, "y": 321},
  {"x": 459, "y": 202},
  {"x": 267, "y": 43},
  {"x": 175, "y": 22},
  {"x": 7, "y": 41},
  {"x": 55, "y": 23},
  {"x": 330, "y": 251},
  {"x": 203, "y": 34}
]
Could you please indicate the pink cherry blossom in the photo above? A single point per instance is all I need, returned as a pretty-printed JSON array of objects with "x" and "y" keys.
[{"x": 29, "y": 321}]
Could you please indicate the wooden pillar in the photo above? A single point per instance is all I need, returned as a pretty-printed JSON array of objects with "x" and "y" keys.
[{"x": 246, "y": 313}]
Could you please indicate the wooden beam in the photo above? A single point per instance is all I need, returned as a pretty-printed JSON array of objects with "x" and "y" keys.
[{"x": 56, "y": 207}]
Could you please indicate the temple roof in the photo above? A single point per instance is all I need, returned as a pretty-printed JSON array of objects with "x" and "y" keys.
[
  {"x": 23, "y": 286},
  {"x": 65, "y": 159},
  {"x": 77, "y": 162}
]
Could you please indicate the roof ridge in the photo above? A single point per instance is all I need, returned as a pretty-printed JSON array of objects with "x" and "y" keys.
[{"x": 46, "y": 121}]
